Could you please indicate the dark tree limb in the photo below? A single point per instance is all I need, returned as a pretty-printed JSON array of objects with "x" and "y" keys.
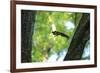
[
  {"x": 81, "y": 36},
  {"x": 27, "y": 26},
  {"x": 60, "y": 33}
]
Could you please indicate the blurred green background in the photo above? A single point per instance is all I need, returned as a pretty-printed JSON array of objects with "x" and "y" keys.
[{"x": 45, "y": 44}]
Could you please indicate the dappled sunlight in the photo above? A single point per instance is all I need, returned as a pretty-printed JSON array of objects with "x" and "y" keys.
[
  {"x": 69, "y": 25},
  {"x": 86, "y": 52},
  {"x": 57, "y": 57}
]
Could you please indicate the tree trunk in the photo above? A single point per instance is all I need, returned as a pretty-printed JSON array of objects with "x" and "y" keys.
[
  {"x": 81, "y": 36},
  {"x": 27, "y": 27}
]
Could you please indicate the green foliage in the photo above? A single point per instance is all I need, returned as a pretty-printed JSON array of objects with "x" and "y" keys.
[{"x": 44, "y": 42}]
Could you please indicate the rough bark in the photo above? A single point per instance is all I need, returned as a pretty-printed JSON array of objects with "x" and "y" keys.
[
  {"x": 27, "y": 27},
  {"x": 81, "y": 36}
]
